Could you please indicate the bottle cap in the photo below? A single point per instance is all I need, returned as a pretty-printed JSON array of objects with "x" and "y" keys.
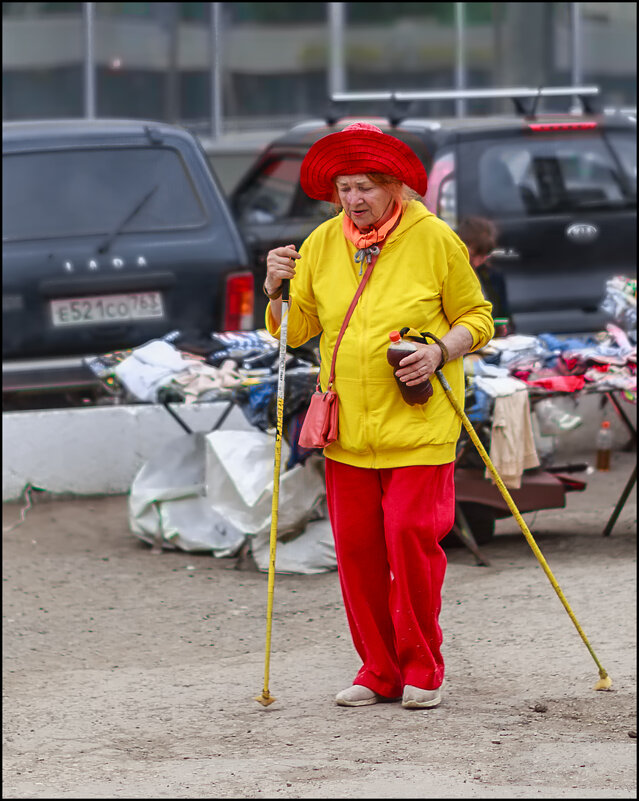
[
  {"x": 605, "y": 424},
  {"x": 394, "y": 336}
]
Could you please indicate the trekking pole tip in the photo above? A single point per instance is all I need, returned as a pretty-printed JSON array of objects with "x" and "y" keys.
[
  {"x": 604, "y": 683},
  {"x": 266, "y": 699}
]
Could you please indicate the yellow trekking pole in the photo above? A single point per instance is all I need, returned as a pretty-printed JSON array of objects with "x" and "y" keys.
[
  {"x": 605, "y": 682},
  {"x": 266, "y": 698}
]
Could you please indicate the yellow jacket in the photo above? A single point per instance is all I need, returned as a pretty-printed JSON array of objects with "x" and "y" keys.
[{"x": 422, "y": 279}]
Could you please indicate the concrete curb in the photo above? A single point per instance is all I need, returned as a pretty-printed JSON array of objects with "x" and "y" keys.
[
  {"x": 99, "y": 450},
  {"x": 93, "y": 450}
]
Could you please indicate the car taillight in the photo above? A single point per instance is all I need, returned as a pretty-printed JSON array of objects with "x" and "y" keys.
[
  {"x": 238, "y": 302},
  {"x": 441, "y": 195},
  {"x": 561, "y": 126},
  {"x": 441, "y": 169},
  {"x": 447, "y": 201}
]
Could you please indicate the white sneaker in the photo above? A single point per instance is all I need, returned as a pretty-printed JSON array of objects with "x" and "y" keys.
[
  {"x": 416, "y": 698},
  {"x": 357, "y": 695}
]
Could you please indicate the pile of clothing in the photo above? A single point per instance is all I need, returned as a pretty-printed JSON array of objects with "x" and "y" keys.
[
  {"x": 547, "y": 363},
  {"x": 620, "y": 302},
  {"x": 502, "y": 377},
  {"x": 182, "y": 368},
  {"x": 603, "y": 361}
]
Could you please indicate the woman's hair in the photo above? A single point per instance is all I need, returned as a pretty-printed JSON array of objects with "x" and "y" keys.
[
  {"x": 478, "y": 234},
  {"x": 401, "y": 193}
]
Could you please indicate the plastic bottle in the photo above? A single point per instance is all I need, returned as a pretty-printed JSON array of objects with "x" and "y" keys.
[
  {"x": 502, "y": 326},
  {"x": 397, "y": 350},
  {"x": 604, "y": 446}
]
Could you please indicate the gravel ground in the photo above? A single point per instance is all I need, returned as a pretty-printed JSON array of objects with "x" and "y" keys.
[{"x": 132, "y": 675}]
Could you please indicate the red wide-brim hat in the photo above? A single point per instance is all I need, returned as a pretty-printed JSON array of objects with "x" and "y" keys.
[{"x": 359, "y": 148}]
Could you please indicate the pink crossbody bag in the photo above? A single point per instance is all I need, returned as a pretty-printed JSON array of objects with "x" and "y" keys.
[{"x": 321, "y": 424}]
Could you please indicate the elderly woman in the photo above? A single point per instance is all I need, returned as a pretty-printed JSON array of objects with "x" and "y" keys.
[{"x": 390, "y": 473}]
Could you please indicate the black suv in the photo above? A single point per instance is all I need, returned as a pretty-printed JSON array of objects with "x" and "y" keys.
[
  {"x": 114, "y": 232},
  {"x": 561, "y": 190}
]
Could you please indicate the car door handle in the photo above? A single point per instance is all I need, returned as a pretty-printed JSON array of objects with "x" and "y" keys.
[{"x": 506, "y": 253}]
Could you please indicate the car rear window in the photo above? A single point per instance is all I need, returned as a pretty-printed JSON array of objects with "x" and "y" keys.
[
  {"x": 269, "y": 196},
  {"x": 273, "y": 194},
  {"x": 58, "y": 193},
  {"x": 553, "y": 172},
  {"x": 625, "y": 148}
]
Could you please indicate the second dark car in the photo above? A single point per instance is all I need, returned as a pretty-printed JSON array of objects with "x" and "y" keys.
[{"x": 561, "y": 189}]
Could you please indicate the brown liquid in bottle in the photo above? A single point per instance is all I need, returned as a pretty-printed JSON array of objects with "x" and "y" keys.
[
  {"x": 397, "y": 350},
  {"x": 603, "y": 459},
  {"x": 604, "y": 446}
]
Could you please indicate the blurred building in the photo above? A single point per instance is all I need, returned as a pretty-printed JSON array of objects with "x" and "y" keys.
[
  {"x": 232, "y": 68},
  {"x": 154, "y": 59}
]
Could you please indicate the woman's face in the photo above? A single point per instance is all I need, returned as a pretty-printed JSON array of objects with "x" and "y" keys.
[{"x": 364, "y": 201}]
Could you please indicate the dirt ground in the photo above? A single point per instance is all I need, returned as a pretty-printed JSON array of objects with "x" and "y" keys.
[{"x": 132, "y": 675}]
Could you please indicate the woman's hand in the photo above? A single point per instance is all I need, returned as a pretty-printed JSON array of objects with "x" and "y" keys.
[
  {"x": 420, "y": 365},
  {"x": 280, "y": 266}
]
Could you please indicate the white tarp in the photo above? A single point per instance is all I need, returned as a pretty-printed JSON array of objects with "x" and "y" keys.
[
  {"x": 168, "y": 506},
  {"x": 239, "y": 479},
  {"x": 213, "y": 492},
  {"x": 311, "y": 552}
]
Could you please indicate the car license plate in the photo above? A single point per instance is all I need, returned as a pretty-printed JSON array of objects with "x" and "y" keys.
[{"x": 107, "y": 309}]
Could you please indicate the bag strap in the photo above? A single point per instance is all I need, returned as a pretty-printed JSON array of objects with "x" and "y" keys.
[{"x": 349, "y": 313}]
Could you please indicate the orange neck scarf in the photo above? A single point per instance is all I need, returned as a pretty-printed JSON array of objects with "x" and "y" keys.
[{"x": 373, "y": 237}]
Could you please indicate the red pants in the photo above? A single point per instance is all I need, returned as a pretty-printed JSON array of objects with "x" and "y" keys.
[{"x": 387, "y": 526}]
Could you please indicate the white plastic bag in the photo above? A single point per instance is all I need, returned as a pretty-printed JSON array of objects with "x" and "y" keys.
[
  {"x": 313, "y": 551},
  {"x": 168, "y": 505},
  {"x": 239, "y": 480},
  {"x": 214, "y": 492}
]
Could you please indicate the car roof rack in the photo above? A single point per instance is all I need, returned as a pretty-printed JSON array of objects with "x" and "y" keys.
[{"x": 400, "y": 100}]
